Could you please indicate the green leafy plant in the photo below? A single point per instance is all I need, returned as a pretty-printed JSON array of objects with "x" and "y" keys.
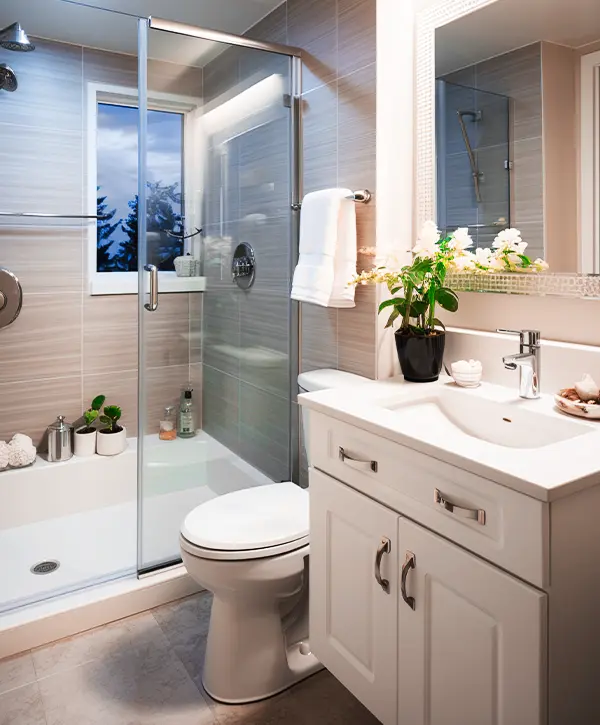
[
  {"x": 92, "y": 413},
  {"x": 110, "y": 417}
]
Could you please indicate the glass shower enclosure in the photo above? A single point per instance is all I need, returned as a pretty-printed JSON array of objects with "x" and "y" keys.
[
  {"x": 473, "y": 161},
  {"x": 230, "y": 217}
]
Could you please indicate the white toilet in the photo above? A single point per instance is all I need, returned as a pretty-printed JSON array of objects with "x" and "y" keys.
[{"x": 250, "y": 549}]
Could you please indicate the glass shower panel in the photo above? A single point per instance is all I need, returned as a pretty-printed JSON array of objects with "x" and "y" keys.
[
  {"x": 473, "y": 160},
  {"x": 229, "y": 340}
]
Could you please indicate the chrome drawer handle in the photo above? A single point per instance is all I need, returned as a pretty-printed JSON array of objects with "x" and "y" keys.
[
  {"x": 473, "y": 514},
  {"x": 409, "y": 563},
  {"x": 384, "y": 548},
  {"x": 358, "y": 463}
]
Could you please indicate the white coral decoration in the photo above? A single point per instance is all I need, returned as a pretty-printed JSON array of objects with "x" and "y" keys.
[
  {"x": 3, "y": 455},
  {"x": 21, "y": 451}
]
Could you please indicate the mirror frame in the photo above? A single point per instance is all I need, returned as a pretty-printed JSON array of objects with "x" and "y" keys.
[{"x": 548, "y": 283}]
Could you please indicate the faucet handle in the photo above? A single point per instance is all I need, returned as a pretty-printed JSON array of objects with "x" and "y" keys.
[{"x": 528, "y": 338}]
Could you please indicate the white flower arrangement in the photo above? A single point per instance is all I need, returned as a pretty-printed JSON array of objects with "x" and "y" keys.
[{"x": 507, "y": 254}]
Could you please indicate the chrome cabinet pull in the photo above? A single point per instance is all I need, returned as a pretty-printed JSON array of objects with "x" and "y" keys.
[
  {"x": 473, "y": 514},
  {"x": 409, "y": 563},
  {"x": 358, "y": 463},
  {"x": 384, "y": 548},
  {"x": 153, "y": 304}
]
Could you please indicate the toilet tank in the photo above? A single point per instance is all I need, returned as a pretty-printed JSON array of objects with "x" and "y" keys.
[{"x": 325, "y": 379}]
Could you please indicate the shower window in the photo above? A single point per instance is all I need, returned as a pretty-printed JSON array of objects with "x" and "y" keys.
[{"x": 112, "y": 192}]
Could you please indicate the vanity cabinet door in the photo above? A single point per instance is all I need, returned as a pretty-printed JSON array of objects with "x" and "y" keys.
[
  {"x": 473, "y": 649},
  {"x": 353, "y": 616}
]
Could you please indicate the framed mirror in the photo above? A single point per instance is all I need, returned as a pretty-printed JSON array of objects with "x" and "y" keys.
[{"x": 508, "y": 134}]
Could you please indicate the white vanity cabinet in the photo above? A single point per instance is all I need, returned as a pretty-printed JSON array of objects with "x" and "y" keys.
[{"x": 421, "y": 631}]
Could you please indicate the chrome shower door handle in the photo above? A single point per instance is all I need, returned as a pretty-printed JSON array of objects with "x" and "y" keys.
[
  {"x": 384, "y": 548},
  {"x": 153, "y": 304},
  {"x": 409, "y": 563}
]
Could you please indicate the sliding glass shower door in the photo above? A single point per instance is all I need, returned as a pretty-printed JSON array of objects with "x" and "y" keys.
[{"x": 218, "y": 337}]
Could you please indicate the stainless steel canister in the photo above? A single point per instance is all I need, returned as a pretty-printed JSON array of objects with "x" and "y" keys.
[{"x": 60, "y": 440}]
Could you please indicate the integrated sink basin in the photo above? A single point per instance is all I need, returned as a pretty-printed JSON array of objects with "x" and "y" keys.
[{"x": 450, "y": 414}]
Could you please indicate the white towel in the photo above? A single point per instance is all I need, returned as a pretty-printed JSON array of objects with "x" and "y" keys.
[{"x": 327, "y": 259}]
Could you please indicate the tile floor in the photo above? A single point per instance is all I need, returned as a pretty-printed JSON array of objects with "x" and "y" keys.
[{"x": 146, "y": 670}]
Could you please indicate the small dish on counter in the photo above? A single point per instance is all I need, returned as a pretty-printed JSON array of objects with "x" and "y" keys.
[{"x": 568, "y": 401}]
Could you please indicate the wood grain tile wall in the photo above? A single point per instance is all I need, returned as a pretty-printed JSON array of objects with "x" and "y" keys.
[
  {"x": 338, "y": 37},
  {"x": 66, "y": 346}
]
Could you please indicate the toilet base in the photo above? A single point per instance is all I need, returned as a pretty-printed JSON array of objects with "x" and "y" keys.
[{"x": 301, "y": 666}]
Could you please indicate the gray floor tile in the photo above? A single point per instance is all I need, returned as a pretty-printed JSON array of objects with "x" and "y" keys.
[
  {"x": 132, "y": 688},
  {"x": 22, "y": 706},
  {"x": 16, "y": 672},
  {"x": 136, "y": 633}
]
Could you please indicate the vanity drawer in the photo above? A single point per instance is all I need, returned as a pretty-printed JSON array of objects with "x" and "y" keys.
[{"x": 501, "y": 525}]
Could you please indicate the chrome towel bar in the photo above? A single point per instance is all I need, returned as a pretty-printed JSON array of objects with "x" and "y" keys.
[{"x": 362, "y": 196}]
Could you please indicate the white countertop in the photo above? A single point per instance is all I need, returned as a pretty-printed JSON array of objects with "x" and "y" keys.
[{"x": 546, "y": 473}]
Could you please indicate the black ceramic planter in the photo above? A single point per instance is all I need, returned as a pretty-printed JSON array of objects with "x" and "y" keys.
[{"x": 421, "y": 356}]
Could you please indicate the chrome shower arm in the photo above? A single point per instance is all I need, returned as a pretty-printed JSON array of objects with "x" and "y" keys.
[{"x": 474, "y": 169}]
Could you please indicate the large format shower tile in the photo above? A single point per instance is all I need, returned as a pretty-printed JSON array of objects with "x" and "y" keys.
[
  {"x": 22, "y": 706},
  {"x": 16, "y": 672}
]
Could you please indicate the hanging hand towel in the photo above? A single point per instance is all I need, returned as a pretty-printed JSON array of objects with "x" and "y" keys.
[{"x": 327, "y": 259}]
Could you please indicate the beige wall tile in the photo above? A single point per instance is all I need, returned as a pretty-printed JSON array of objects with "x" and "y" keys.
[
  {"x": 44, "y": 259},
  {"x": 49, "y": 94},
  {"x": 29, "y": 407},
  {"x": 163, "y": 387},
  {"x": 99, "y": 66},
  {"x": 319, "y": 327},
  {"x": 312, "y": 26},
  {"x": 356, "y": 34},
  {"x": 357, "y": 334},
  {"x": 46, "y": 173},
  {"x": 167, "y": 332},
  {"x": 320, "y": 137},
  {"x": 109, "y": 333},
  {"x": 120, "y": 388},
  {"x": 44, "y": 341}
]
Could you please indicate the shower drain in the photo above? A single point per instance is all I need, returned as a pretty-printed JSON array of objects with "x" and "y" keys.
[{"x": 45, "y": 567}]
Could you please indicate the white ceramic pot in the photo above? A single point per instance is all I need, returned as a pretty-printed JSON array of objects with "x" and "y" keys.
[
  {"x": 111, "y": 444},
  {"x": 85, "y": 443}
]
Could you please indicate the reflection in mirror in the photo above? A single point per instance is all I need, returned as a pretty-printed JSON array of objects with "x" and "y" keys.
[{"x": 516, "y": 133}]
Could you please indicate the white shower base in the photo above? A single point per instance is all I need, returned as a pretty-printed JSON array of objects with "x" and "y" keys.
[{"x": 83, "y": 513}]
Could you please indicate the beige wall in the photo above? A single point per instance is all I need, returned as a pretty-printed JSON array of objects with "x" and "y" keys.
[{"x": 66, "y": 346}]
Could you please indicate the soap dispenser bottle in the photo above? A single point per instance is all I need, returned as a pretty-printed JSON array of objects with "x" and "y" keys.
[{"x": 186, "y": 418}]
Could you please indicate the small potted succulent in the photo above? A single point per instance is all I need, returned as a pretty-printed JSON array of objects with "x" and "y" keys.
[
  {"x": 85, "y": 437},
  {"x": 112, "y": 439}
]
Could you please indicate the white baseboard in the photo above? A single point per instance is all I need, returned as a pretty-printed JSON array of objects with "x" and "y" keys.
[{"x": 71, "y": 614}]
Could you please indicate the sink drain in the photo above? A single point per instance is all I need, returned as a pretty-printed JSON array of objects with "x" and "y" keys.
[{"x": 45, "y": 567}]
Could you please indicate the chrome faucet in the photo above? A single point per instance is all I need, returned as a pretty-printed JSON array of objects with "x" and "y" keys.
[{"x": 527, "y": 360}]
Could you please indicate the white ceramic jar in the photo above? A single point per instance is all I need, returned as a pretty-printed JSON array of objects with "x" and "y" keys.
[{"x": 111, "y": 444}]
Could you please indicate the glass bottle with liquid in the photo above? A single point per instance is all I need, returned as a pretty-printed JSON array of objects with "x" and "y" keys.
[
  {"x": 186, "y": 417},
  {"x": 168, "y": 430}
]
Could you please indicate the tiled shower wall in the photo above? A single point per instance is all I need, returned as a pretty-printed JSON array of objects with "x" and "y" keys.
[
  {"x": 338, "y": 38},
  {"x": 517, "y": 74},
  {"x": 246, "y": 406},
  {"x": 67, "y": 346}
]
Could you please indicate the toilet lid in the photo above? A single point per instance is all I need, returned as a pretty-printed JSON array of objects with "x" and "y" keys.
[{"x": 254, "y": 518}]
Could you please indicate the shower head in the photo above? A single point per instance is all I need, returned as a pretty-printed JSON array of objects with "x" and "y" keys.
[
  {"x": 13, "y": 37},
  {"x": 8, "y": 79}
]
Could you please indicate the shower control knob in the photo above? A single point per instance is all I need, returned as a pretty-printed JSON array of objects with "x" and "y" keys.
[{"x": 243, "y": 266}]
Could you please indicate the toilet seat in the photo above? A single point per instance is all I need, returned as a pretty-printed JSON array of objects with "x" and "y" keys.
[{"x": 253, "y": 523}]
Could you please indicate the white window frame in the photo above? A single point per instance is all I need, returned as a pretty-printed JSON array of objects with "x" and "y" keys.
[
  {"x": 590, "y": 164},
  {"x": 113, "y": 283}
]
